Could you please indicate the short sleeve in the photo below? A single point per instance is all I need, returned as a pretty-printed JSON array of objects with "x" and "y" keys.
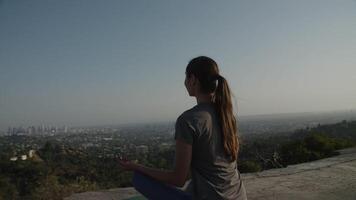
[{"x": 184, "y": 130}]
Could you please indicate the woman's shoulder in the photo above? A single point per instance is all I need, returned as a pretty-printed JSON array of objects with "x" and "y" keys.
[
  {"x": 186, "y": 115},
  {"x": 194, "y": 114}
]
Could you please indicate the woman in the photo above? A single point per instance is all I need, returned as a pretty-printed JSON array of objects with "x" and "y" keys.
[{"x": 206, "y": 144}]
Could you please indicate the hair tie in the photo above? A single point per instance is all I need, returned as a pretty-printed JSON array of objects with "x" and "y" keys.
[{"x": 216, "y": 77}]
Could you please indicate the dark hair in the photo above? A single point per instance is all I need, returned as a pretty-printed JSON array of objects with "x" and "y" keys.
[{"x": 206, "y": 71}]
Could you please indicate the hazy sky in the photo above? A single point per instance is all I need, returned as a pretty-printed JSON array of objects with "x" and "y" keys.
[{"x": 81, "y": 62}]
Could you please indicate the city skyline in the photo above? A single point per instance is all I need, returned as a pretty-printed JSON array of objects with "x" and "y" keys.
[{"x": 90, "y": 63}]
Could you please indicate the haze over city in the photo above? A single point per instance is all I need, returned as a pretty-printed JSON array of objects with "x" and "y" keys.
[{"x": 112, "y": 62}]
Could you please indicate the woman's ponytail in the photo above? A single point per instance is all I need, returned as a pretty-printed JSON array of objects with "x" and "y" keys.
[{"x": 223, "y": 106}]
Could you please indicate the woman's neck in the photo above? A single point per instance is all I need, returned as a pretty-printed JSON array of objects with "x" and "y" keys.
[{"x": 204, "y": 98}]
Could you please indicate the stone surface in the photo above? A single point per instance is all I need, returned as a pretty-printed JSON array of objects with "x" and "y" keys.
[
  {"x": 330, "y": 178},
  {"x": 326, "y": 179}
]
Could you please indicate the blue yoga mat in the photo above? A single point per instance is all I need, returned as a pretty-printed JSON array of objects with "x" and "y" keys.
[{"x": 155, "y": 190}]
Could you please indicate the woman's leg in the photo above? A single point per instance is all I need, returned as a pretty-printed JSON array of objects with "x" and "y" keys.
[{"x": 155, "y": 190}]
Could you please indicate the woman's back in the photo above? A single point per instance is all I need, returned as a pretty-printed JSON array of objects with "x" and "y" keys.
[
  {"x": 213, "y": 175},
  {"x": 206, "y": 142}
]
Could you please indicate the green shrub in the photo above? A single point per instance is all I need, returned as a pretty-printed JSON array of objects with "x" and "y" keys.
[
  {"x": 7, "y": 190},
  {"x": 312, "y": 147},
  {"x": 249, "y": 166}
]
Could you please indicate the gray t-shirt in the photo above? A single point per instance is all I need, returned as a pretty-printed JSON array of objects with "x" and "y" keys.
[{"x": 213, "y": 175}]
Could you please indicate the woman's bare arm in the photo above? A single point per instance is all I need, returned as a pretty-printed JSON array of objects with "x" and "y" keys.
[{"x": 178, "y": 175}]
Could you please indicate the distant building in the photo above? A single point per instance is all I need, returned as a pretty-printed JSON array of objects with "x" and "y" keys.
[
  {"x": 31, "y": 130},
  {"x": 31, "y": 153},
  {"x": 21, "y": 131},
  {"x": 14, "y": 131},
  {"x": 9, "y": 131},
  {"x": 24, "y": 157},
  {"x": 165, "y": 146},
  {"x": 13, "y": 158}
]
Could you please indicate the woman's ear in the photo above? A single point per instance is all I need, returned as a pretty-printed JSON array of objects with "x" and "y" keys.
[{"x": 194, "y": 80}]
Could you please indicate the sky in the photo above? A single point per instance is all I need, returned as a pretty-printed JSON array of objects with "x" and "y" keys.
[{"x": 87, "y": 62}]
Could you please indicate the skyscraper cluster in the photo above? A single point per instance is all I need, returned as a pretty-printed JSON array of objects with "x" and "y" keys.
[{"x": 33, "y": 130}]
